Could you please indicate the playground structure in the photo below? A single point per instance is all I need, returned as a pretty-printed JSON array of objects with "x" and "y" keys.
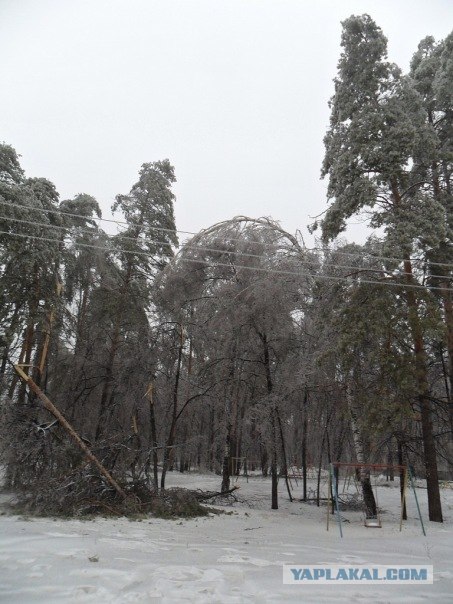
[
  {"x": 353, "y": 472},
  {"x": 238, "y": 464}
]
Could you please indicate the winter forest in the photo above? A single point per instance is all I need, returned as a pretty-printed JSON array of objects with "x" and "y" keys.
[{"x": 239, "y": 349}]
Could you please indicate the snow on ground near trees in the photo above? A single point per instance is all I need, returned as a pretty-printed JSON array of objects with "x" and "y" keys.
[{"x": 234, "y": 558}]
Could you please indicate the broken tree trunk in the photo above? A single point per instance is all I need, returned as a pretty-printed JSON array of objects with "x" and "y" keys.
[{"x": 69, "y": 429}]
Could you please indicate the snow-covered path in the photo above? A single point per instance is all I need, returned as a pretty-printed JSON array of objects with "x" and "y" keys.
[{"x": 231, "y": 558}]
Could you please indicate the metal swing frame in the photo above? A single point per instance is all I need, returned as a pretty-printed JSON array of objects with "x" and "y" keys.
[{"x": 333, "y": 492}]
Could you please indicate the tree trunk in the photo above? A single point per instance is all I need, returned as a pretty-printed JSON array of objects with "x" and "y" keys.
[
  {"x": 3, "y": 365},
  {"x": 273, "y": 418},
  {"x": 402, "y": 485},
  {"x": 390, "y": 470},
  {"x": 15, "y": 378},
  {"x": 274, "y": 469},
  {"x": 70, "y": 430},
  {"x": 9, "y": 334},
  {"x": 211, "y": 456},
  {"x": 285, "y": 462},
  {"x": 359, "y": 448},
  {"x": 152, "y": 422},
  {"x": 28, "y": 345},
  {"x": 448, "y": 311},
  {"x": 264, "y": 460},
  {"x": 229, "y": 395},
  {"x": 226, "y": 460},
  {"x": 430, "y": 459},
  {"x": 107, "y": 388},
  {"x": 321, "y": 455},
  {"x": 421, "y": 370},
  {"x": 174, "y": 415},
  {"x": 304, "y": 444}
]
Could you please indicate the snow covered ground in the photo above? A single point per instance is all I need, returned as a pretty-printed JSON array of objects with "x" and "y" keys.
[{"x": 228, "y": 558}]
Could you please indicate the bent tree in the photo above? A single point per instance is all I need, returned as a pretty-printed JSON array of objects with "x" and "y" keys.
[
  {"x": 244, "y": 330},
  {"x": 378, "y": 149}
]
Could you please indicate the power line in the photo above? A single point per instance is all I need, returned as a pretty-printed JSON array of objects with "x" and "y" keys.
[
  {"x": 76, "y": 243},
  {"x": 324, "y": 277},
  {"x": 200, "y": 247},
  {"x": 71, "y": 215},
  {"x": 237, "y": 266},
  {"x": 79, "y": 230},
  {"x": 126, "y": 237},
  {"x": 176, "y": 231},
  {"x": 377, "y": 257}
]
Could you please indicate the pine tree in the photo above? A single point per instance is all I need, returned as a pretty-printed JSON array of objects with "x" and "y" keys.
[
  {"x": 143, "y": 249},
  {"x": 376, "y": 146}
]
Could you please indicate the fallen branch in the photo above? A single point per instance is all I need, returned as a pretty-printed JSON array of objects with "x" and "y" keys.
[
  {"x": 203, "y": 496},
  {"x": 70, "y": 430}
]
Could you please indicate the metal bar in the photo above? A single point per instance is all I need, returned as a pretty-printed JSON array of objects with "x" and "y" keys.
[
  {"x": 416, "y": 500},
  {"x": 376, "y": 466},
  {"x": 335, "y": 494}
]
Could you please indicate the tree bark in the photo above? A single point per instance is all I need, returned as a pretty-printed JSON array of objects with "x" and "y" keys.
[
  {"x": 274, "y": 469},
  {"x": 152, "y": 423},
  {"x": 359, "y": 449},
  {"x": 448, "y": 312},
  {"x": 304, "y": 444},
  {"x": 402, "y": 485},
  {"x": 174, "y": 415},
  {"x": 9, "y": 334},
  {"x": 273, "y": 418},
  {"x": 430, "y": 458},
  {"x": 421, "y": 370}
]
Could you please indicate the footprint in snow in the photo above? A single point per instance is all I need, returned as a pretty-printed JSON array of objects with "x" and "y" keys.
[
  {"x": 41, "y": 567},
  {"x": 443, "y": 574},
  {"x": 54, "y": 534},
  {"x": 353, "y": 560},
  {"x": 245, "y": 560}
]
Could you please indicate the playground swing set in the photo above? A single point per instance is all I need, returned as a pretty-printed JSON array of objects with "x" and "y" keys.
[
  {"x": 352, "y": 473},
  {"x": 238, "y": 465}
]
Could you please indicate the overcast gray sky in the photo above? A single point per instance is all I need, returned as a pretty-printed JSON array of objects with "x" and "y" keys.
[{"x": 233, "y": 92}]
